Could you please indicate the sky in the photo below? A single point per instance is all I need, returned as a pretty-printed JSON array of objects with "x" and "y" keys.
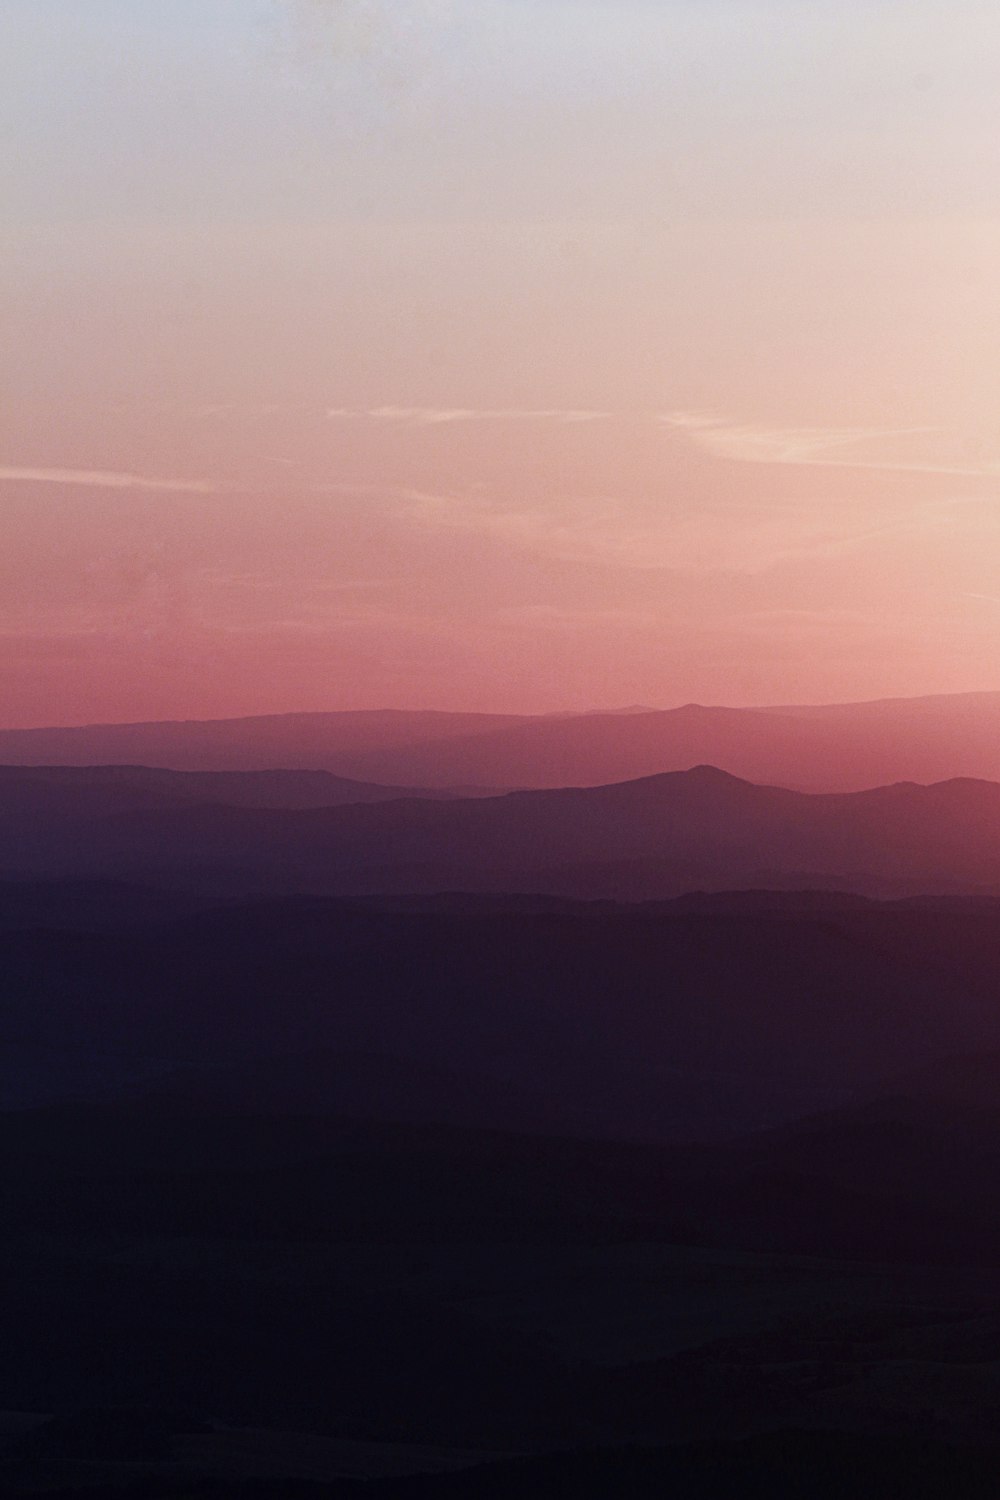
[{"x": 524, "y": 355}]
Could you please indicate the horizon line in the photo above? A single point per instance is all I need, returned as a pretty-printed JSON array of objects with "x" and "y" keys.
[{"x": 630, "y": 711}]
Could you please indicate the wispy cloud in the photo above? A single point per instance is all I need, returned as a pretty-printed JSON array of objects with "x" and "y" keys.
[
  {"x": 433, "y": 416},
  {"x": 104, "y": 479},
  {"x": 823, "y": 447}
]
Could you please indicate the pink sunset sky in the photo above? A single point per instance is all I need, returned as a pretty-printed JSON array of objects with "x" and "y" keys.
[{"x": 496, "y": 354}]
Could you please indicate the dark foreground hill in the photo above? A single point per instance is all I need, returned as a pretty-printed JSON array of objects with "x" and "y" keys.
[
  {"x": 662, "y": 1023},
  {"x": 195, "y": 1292},
  {"x": 346, "y": 1198},
  {"x": 662, "y": 836},
  {"x": 141, "y": 1450}
]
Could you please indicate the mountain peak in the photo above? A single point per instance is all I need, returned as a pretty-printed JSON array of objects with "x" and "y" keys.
[{"x": 706, "y": 772}]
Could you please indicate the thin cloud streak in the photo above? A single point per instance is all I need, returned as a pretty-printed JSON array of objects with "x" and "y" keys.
[
  {"x": 814, "y": 447},
  {"x": 105, "y": 479},
  {"x": 430, "y": 416}
]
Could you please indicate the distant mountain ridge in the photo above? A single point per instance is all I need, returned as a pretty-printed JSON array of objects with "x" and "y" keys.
[{"x": 839, "y": 747}]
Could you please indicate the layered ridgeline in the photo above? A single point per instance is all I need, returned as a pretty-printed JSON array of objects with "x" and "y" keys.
[
  {"x": 652, "y": 838},
  {"x": 403, "y": 1182},
  {"x": 840, "y": 748}
]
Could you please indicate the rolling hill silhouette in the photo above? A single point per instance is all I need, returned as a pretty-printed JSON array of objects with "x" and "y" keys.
[
  {"x": 42, "y": 792},
  {"x": 656, "y": 837}
]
